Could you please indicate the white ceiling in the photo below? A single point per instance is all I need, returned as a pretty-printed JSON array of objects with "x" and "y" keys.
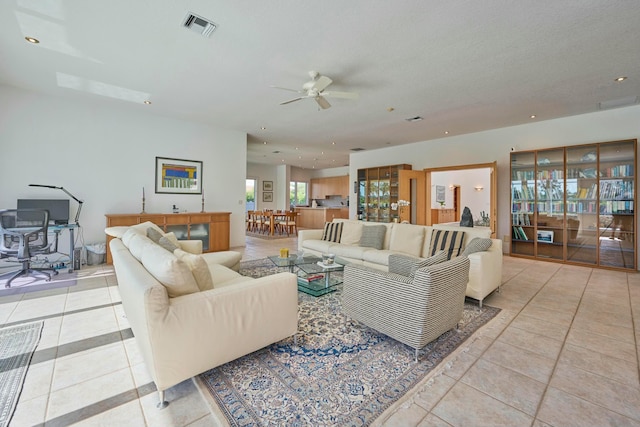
[{"x": 464, "y": 66}]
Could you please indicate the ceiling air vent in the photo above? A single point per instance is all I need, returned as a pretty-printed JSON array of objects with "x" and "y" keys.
[
  {"x": 199, "y": 25},
  {"x": 414, "y": 119}
]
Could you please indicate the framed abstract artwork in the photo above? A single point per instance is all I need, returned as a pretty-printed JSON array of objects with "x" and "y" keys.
[{"x": 178, "y": 176}]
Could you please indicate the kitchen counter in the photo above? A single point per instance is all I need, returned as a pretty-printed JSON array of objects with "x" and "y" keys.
[{"x": 314, "y": 218}]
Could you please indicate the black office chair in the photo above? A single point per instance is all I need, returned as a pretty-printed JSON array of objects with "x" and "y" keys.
[{"x": 23, "y": 235}]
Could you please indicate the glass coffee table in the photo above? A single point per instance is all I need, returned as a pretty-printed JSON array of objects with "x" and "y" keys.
[
  {"x": 294, "y": 260},
  {"x": 316, "y": 279}
]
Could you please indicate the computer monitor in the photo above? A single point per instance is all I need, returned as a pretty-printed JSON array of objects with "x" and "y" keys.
[{"x": 58, "y": 208}]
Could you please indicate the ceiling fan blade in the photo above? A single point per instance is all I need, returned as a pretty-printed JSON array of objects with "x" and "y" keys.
[
  {"x": 322, "y": 83},
  {"x": 323, "y": 103},
  {"x": 290, "y": 90},
  {"x": 293, "y": 100},
  {"x": 344, "y": 95}
]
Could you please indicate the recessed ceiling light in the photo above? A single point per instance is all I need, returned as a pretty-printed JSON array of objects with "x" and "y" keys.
[
  {"x": 446, "y": 132},
  {"x": 333, "y": 143},
  {"x": 32, "y": 40},
  {"x": 621, "y": 78},
  {"x": 533, "y": 116},
  {"x": 264, "y": 142},
  {"x": 147, "y": 102},
  {"x": 263, "y": 128}
]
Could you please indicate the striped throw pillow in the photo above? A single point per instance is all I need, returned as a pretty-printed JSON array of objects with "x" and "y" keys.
[
  {"x": 446, "y": 240},
  {"x": 332, "y": 232}
]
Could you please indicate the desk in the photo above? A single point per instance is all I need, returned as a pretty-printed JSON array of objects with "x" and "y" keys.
[{"x": 57, "y": 228}]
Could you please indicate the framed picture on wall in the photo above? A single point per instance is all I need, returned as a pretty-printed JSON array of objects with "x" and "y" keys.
[
  {"x": 178, "y": 176},
  {"x": 267, "y": 185},
  {"x": 267, "y": 196},
  {"x": 440, "y": 195}
]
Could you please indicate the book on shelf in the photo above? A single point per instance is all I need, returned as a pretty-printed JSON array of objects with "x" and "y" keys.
[{"x": 311, "y": 278}]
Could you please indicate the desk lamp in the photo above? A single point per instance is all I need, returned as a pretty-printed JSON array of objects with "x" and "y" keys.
[{"x": 69, "y": 194}]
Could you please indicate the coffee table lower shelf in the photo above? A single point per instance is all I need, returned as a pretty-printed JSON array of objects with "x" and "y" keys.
[{"x": 318, "y": 288}]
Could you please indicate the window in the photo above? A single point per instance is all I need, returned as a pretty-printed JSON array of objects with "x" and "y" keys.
[
  {"x": 298, "y": 194},
  {"x": 250, "y": 194}
]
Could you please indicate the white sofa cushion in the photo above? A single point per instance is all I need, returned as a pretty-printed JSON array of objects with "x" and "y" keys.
[
  {"x": 407, "y": 238},
  {"x": 198, "y": 267},
  {"x": 349, "y": 251},
  {"x": 173, "y": 273},
  {"x": 351, "y": 232},
  {"x": 142, "y": 227},
  {"x": 318, "y": 245},
  {"x": 136, "y": 243}
]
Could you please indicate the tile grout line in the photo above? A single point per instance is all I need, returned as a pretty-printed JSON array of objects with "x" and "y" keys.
[{"x": 483, "y": 352}]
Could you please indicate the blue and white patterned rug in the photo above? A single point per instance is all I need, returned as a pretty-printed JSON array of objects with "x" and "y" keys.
[{"x": 341, "y": 373}]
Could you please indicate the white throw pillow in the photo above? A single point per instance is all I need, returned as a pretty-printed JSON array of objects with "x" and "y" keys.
[
  {"x": 198, "y": 267},
  {"x": 351, "y": 232},
  {"x": 407, "y": 238},
  {"x": 173, "y": 273}
]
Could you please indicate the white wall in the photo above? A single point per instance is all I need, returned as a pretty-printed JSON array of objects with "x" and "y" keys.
[
  {"x": 104, "y": 155},
  {"x": 495, "y": 145}
]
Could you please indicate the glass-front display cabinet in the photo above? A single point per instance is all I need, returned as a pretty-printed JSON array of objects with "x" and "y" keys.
[
  {"x": 377, "y": 192},
  {"x": 576, "y": 204}
]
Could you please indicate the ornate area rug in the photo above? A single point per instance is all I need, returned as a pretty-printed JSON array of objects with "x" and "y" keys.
[
  {"x": 17, "y": 345},
  {"x": 340, "y": 374}
]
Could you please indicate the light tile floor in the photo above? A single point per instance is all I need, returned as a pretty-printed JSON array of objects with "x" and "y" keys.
[{"x": 563, "y": 352}]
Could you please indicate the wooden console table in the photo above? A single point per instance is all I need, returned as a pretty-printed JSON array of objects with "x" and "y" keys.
[{"x": 213, "y": 228}]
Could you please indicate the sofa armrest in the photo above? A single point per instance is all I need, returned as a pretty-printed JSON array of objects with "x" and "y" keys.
[
  {"x": 308, "y": 235},
  {"x": 206, "y": 329},
  {"x": 486, "y": 271},
  {"x": 191, "y": 246}
]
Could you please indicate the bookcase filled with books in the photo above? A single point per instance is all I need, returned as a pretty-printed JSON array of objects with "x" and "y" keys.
[{"x": 576, "y": 204}]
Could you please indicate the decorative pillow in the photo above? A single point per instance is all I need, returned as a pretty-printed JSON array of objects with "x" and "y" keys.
[
  {"x": 437, "y": 258},
  {"x": 154, "y": 234},
  {"x": 172, "y": 238},
  {"x": 332, "y": 232},
  {"x": 477, "y": 245},
  {"x": 117, "y": 231},
  {"x": 173, "y": 273},
  {"x": 373, "y": 236},
  {"x": 447, "y": 240},
  {"x": 198, "y": 267},
  {"x": 351, "y": 232},
  {"x": 401, "y": 264},
  {"x": 168, "y": 244}
]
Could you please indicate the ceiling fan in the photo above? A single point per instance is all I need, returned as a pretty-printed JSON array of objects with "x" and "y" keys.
[{"x": 316, "y": 89}]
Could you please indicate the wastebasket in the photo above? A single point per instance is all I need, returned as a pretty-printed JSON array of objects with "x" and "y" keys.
[{"x": 96, "y": 253}]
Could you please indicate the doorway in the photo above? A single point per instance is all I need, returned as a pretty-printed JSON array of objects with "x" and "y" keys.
[{"x": 418, "y": 188}]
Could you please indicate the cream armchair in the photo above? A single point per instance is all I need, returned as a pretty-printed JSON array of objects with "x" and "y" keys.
[{"x": 413, "y": 310}]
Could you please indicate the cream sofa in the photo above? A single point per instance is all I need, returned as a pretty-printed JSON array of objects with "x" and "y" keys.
[
  {"x": 485, "y": 274},
  {"x": 182, "y": 328}
]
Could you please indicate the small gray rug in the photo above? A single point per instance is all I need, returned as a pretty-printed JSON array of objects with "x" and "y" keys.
[
  {"x": 17, "y": 345},
  {"x": 25, "y": 284}
]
